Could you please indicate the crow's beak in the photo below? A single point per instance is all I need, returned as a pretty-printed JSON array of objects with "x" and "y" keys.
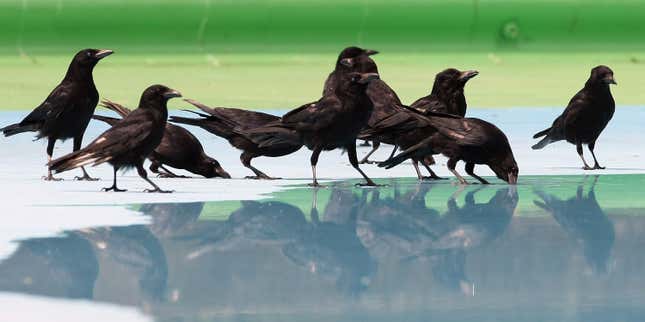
[
  {"x": 171, "y": 93},
  {"x": 223, "y": 173},
  {"x": 102, "y": 53},
  {"x": 368, "y": 77},
  {"x": 610, "y": 80},
  {"x": 466, "y": 75},
  {"x": 370, "y": 52},
  {"x": 512, "y": 178}
]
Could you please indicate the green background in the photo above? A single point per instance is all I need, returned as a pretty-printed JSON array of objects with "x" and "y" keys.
[{"x": 276, "y": 54}]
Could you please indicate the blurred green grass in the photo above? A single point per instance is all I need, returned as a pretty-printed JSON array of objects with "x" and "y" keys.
[
  {"x": 284, "y": 81},
  {"x": 276, "y": 54}
]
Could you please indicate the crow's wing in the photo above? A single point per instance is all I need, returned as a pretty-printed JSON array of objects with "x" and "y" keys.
[
  {"x": 59, "y": 100},
  {"x": 313, "y": 116},
  {"x": 128, "y": 134},
  {"x": 464, "y": 131}
]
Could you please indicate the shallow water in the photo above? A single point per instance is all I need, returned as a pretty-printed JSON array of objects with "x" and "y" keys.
[{"x": 556, "y": 248}]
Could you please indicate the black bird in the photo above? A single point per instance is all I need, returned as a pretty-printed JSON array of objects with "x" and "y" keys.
[
  {"x": 400, "y": 129},
  {"x": 332, "y": 122},
  {"x": 231, "y": 124},
  {"x": 585, "y": 117},
  {"x": 469, "y": 139},
  {"x": 129, "y": 142},
  {"x": 178, "y": 149},
  {"x": 447, "y": 95},
  {"x": 67, "y": 110},
  {"x": 343, "y": 65}
]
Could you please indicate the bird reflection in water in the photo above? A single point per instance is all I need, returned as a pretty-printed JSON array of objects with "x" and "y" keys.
[
  {"x": 584, "y": 221},
  {"x": 331, "y": 248},
  {"x": 404, "y": 227}
]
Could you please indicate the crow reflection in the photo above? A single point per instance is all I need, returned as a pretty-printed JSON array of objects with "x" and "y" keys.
[
  {"x": 331, "y": 248},
  {"x": 404, "y": 228},
  {"x": 584, "y": 222},
  {"x": 64, "y": 267}
]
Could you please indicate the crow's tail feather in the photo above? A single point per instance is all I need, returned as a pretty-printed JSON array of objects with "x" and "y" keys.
[
  {"x": 77, "y": 159},
  {"x": 544, "y": 142},
  {"x": 541, "y": 133},
  {"x": 396, "y": 160},
  {"x": 18, "y": 128},
  {"x": 109, "y": 120}
]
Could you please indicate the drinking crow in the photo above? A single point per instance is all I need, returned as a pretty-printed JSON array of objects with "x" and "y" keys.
[
  {"x": 178, "y": 149},
  {"x": 469, "y": 139},
  {"x": 67, "y": 110},
  {"x": 332, "y": 122},
  {"x": 447, "y": 95},
  {"x": 231, "y": 124},
  {"x": 129, "y": 142},
  {"x": 585, "y": 117}
]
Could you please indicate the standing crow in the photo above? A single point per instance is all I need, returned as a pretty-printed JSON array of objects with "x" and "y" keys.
[
  {"x": 343, "y": 65},
  {"x": 447, "y": 95},
  {"x": 332, "y": 122},
  {"x": 67, "y": 110},
  {"x": 469, "y": 139},
  {"x": 129, "y": 142},
  {"x": 178, "y": 149},
  {"x": 403, "y": 127},
  {"x": 585, "y": 117},
  {"x": 231, "y": 124}
]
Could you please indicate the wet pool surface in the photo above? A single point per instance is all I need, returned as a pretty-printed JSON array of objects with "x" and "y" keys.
[
  {"x": 557, "y": 248},
  {"x": 560, "y": 246}
]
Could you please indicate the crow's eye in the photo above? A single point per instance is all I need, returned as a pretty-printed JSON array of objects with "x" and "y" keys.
[{"x": 88, "y": 54}]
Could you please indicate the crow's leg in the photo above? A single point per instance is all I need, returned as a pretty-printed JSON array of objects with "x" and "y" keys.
[
  {"x": 452, "y": 163},
  {"x": 144, "y": 175},
  {"x": 415, "y": 164},
  {"x": 314, "y": 161},
  {"x": 353, "y": 160},
  {"x": 396, "y": 147},
  {"x": 77, "y": 146},
  {"x": 579, "y": 150},
  {"x": 114, "y": 187},
  {"x": 246, "y": 158},
  {"x": 470, "y": 169},
  {"x": 375, "y": 146},
  {"x": 433, "y": 176},
  {"x": 50, "y": 151},
  {"x": 591, "y": 146}
]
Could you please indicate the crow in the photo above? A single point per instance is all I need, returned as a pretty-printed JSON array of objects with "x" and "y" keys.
[
  {"x": 401, "y": 127},
  {"x": 231, "y": 124},
  {"x": 472, "y": 140},
  {"x": 178, "y": 149},
  {"x": 67, "y": 110},
  {"x": 585, "y": 117},
  {"x": 332, "y": 122},
  {"x": 447, "y": 95},
  {"x": 129, "y": 142},
  {"x": 343, "y": 65},
  {"x": 378, "y": 93}
]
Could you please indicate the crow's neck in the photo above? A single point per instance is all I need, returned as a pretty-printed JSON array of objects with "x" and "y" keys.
[
  {"x": 597, "y": 88},
  {"x": 75, "y": 73}
]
